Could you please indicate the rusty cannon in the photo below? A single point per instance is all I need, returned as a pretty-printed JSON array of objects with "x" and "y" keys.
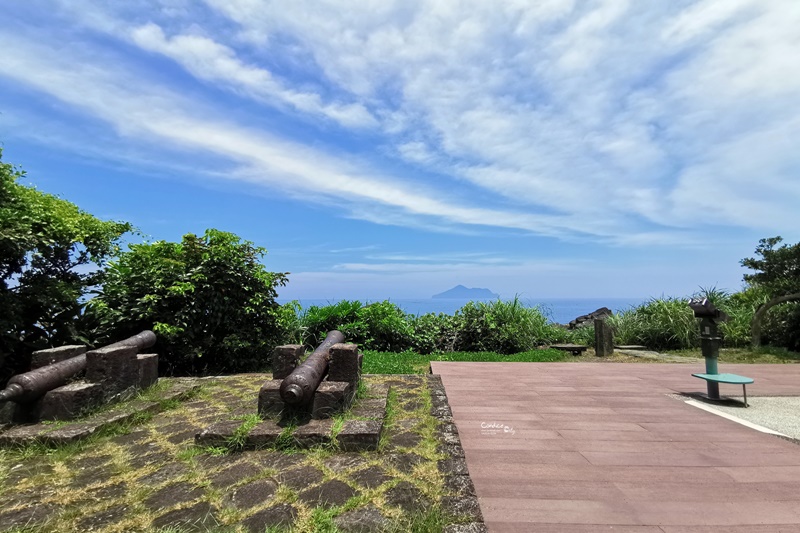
[
  {"x": 299, "y": 387},
  {"x": 324, "y": 384},
  {"x": 29, "y": 386}
]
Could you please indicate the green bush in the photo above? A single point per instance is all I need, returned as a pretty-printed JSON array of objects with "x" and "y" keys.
[
  {"x": 660, "y": 324},
  {"x": 583, "y": 335},
  {"x": 291, "y": 327},
  {"x": 375, "y": 326},
  {"x": 49, "y": 251},
  {"x": 209, "y": 300},
  {"x": 501, "y": 326},
  {"x": 383, "y": 326},
  {"x": 740, "y": 307},
  {"x": 782, "y": 326},
  {"x": 434, "y": 333},
  {"x": 317, "y": 321}
]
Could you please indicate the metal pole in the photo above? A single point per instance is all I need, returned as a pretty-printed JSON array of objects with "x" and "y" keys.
[{"x": 709, "y": 344}]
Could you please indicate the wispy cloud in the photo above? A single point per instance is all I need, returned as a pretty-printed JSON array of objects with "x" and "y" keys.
[
  {"x": 139, "y": 112},
  {"x": 213, "y": 62},
  {"x": 613, "y": 121}
]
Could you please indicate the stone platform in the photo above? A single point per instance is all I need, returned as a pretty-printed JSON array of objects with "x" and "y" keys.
[
  {"x": 155, "y": 478},
  {"x": 360, "y": 430},
  {"x": 57, "y": 433}
]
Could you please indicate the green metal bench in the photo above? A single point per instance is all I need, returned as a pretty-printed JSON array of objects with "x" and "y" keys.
[{"x": 728, "y": 378}]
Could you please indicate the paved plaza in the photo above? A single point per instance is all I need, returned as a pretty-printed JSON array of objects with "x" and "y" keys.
[{"x": 579, "y": 448}]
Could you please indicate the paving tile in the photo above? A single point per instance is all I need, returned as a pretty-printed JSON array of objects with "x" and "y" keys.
[
  {"x": 720, "y": 514},
  {"x": 525, "y": 527},
  {"x": 526, "y": 457},
  {"x": 709, "y": 492},
  {"x": 253, "y": 494},
  {"x": 558, "y": 511},
  {"x": 750, "y": 528},
  {"x": 750, "y": 474}
]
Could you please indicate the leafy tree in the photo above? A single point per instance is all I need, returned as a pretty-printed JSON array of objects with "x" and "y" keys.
[
  {"x": 49, "y": 254},
  {"x": 778, "y": 272},
  {"x": 209, "y": 299}
]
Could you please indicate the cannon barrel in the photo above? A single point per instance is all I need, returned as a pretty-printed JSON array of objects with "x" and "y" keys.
[
  {"x": 31, "y": 385},
  {"x": 300, "y": 385},
  {"x": 142, "y": 340}
]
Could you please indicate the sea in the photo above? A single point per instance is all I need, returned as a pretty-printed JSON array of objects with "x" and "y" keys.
[{"x": 557, "y": 310}]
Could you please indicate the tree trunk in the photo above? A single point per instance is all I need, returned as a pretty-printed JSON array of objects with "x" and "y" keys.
[{"x": 755, "y": 327}]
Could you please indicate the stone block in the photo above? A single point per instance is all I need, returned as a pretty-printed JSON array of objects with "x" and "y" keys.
[
  {"x": 68, "y": 402},
  {"x": 285, "y": 359},
  {"x": 462, "y": 507},
  {"x": 331, "y": 397},
  {"x": 116, "y": 368},
  {"x": 472, "y": 527},
  {"x": 359, "y": 435},
  {"x": 343, "y": 364},
  {"x": 218, "y": 434},
  {"x": 366, "y": 412},
  {"x": 313, "y": 433},
  {"x": 270, "y": 402},
  {"x": 148, "y": 369},
  {"x": 455, "y": 466},
  {"x": 370, "y": 408},
  {"x": 22, "y": 435},
  {"x": 49, "y": 356},
  {"x": 71, "y": 433},
  {"x": 603, "y": 338},
  {"x": 377, "y": 390},
  {"x": 264, "y": 434},
  {"x": 364, "y": 519}
]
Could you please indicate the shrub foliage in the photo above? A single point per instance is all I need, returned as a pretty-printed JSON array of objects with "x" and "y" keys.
[
  {"x": 209, "y": 299},
  {"x": 498, "y": 326},
  {"x": 47, "y": 248}
]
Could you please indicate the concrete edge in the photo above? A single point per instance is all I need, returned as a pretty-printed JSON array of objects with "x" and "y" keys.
[
  {"x": 751, "y": 425},
  {"x": 456, "y": 464}
]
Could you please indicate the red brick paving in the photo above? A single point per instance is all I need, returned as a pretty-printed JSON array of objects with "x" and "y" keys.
[{"x": 602, "y": 447}]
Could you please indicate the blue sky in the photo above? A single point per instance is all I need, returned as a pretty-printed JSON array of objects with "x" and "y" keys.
[{"x": 382, "y": 149}]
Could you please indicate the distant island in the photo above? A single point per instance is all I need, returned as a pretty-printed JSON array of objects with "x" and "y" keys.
[{"x": 463, "y": 293}]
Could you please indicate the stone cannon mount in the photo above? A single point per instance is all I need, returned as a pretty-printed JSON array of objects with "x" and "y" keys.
[
  {"x": 52, "y": 390},
  {"x": 333, "y": 394}
]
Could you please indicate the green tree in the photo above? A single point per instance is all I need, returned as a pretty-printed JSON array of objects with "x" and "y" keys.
[
  {"x": 209, "y": 299},
  {"x": 778, "y": 272},
  {"x": 51, "y": 253}
]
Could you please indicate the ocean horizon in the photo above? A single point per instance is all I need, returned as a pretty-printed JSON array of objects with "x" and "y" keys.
[{"x": 558, "y": 310}]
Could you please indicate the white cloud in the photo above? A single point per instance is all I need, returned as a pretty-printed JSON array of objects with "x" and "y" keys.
[
  {"x": 210, "y": 61},
  {"x": 612, "y": 120},
  {"x": 140, "y": 112},
  {"x": 585, "y": 110}
]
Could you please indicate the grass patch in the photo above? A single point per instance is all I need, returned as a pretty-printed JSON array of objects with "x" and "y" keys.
[
  {"x": 764, "y": 355},
  {"x": 427, "y": 521},
  {"x": 415, "y": 363},
  {"x": 389, "y": 419},
  {"x": 285, "y": 441},
  {"x": 237, "y": 440}
]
